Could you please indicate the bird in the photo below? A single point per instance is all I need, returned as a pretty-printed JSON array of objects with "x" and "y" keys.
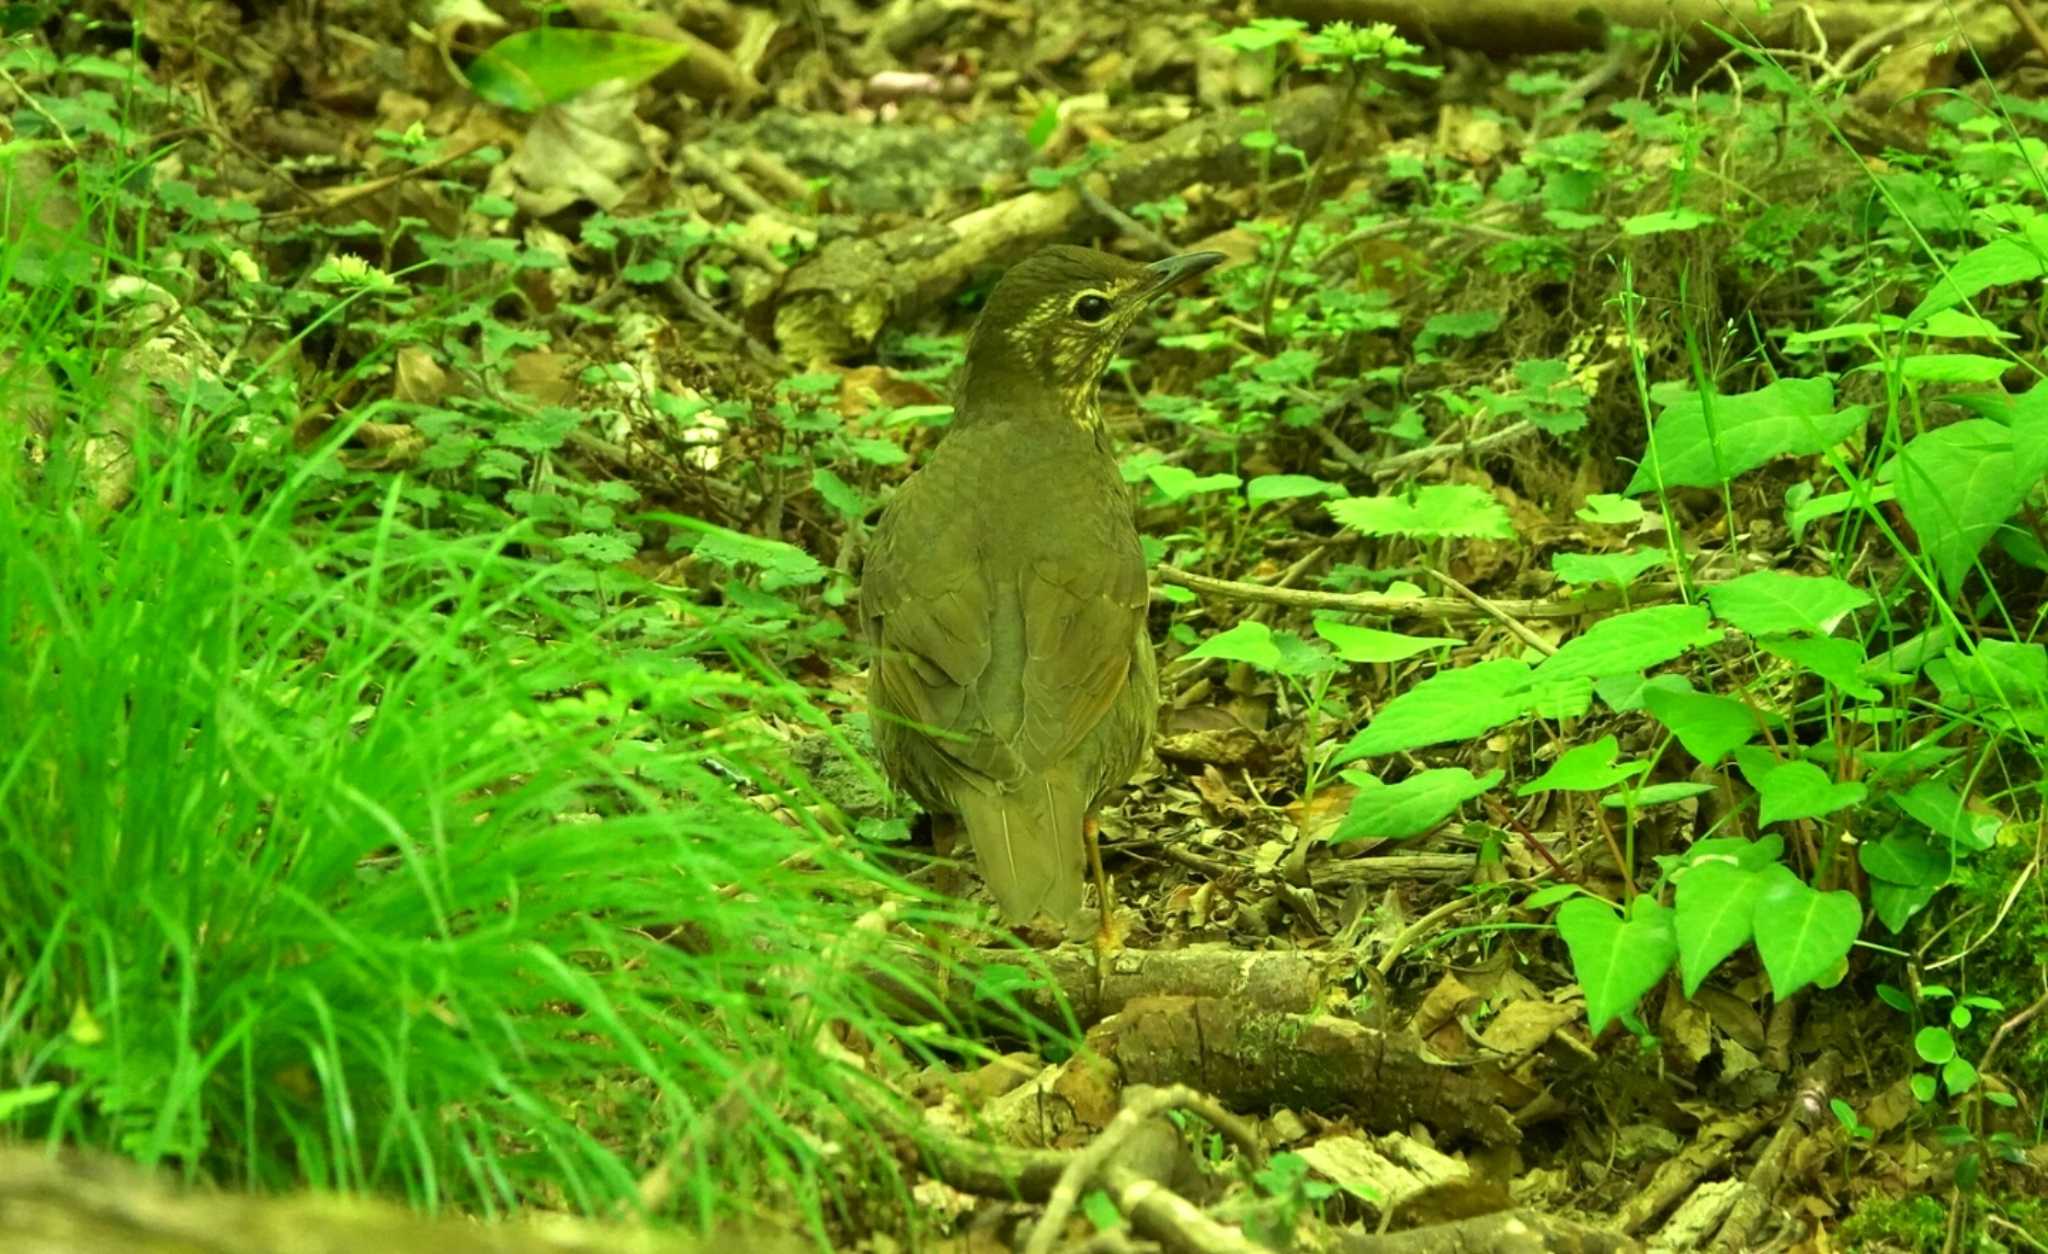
[{"x": 1012, "y": 685}]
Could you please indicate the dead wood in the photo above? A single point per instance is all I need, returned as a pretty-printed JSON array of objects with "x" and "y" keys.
[
  {"x": 1504, "y": 1232},
  {"x": 77, "y": 1204},
  {"x": 1526, "y": 26},
  {"x": 836, "y": 303},
  {"x": 1282, "y": 982},
  {"x": 1255, "y": 1060}
]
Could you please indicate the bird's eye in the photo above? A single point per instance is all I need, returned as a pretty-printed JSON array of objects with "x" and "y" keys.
[{"x": 1091, "y": 307}]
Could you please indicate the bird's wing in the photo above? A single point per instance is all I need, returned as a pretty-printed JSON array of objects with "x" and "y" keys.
[{"x": 1009, "y": 660}]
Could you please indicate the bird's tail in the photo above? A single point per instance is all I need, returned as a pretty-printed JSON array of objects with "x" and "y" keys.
[{"x": 1028, "y": 843}]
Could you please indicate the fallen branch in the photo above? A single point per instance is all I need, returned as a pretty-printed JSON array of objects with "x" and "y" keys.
[
  {"x": 1140, "y": 1109},
  {"x": 1596, "y": 602},
  {"x": 836, "y": 303}
]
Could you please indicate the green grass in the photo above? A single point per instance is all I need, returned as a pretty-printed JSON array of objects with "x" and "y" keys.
[{"x": 335, "y": 851}]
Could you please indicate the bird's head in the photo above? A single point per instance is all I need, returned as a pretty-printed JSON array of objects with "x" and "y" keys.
[{"x": 1054, "y": 322}]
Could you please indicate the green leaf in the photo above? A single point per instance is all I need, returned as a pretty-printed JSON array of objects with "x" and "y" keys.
[
  {"x": 1449, "y": 705},
  {"x": 1608, "y": 510},
  {"x": 1667, "y": 221},
  {"x": 843, "y": 498},
  {"x": 1771, "y": 602},
  {"x": 1708, "y": 725},
  {"x": 1418, "y": 803},
  {"x": 1839, "y": 662},
  {"x": 1587, "y": 768},
  {"x": 781, "y": 565},
  {"x": 1268, "y": 488},
  {"x": 1436, "y": 511},
  {"x": 1801, "y": 934},
  {"x": 2007, "y": 260},
  {"x": 1715, "y": 905},
  {"x": 1789, "y": 418},
  {"x": 1801, "y": 790},
  {"x": 550, "y": 64},
  {"x": 1944, "y": 811},
  {"x": 1957, "y": 485},
  {"x": 1457, "y": 326},
  {"x": 1633, "y": 641},
  {"x": 1616, "y": 961},
  {"x": 1952, "y": 368},
  {"x": 1934, "y": 1045},
  {"x": 1177, "y": 483},
  {"x": 1249, "y": 641},
  {"x": 1619, "y": 569},
  {"x": 1367, "y": 644}
]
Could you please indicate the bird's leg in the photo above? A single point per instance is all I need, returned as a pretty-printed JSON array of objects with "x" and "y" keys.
[{"x": 1109, "y": 935}]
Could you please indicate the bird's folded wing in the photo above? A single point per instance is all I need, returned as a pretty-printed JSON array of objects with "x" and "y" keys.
[{"x": 1010, "y": 667}]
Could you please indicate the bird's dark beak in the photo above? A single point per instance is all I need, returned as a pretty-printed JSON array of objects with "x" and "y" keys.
[{"x": 1173, "y": 271}]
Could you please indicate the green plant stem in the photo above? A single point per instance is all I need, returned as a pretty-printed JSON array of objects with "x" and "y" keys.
[{"x": 1354, "y": 78}]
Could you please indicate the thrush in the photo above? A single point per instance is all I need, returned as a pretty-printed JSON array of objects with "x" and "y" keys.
[{"x": 1013, "y": 685}]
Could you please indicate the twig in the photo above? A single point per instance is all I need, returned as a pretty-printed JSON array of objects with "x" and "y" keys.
[
  {"x": 1497, "y": 612},
  {"x": 1397, "y": 465},
  {"x": 2029, "y": 25},
  {"x": 707, "y": 313},
  {"x": 1089, "y": 1163},
  {"x": 362, "y": 191},
  {"x": 1414, "y": 607},
  {"x": 734, "y": 188},
  {"x": 1122, "y": 221}
]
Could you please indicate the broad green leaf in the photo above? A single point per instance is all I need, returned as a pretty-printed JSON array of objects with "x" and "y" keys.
[
  {"x": 2006, "y": 680},
  {"x": 1771, "y": 602},
  {"x": 1633, "y": 641},
  {"x": 844, "y": 499},
  {"x": 1418, "y": 803},
  {"x": 1586, "y": 768},
  {"x": 1934, "y": 1045},
  {"x": 1708, "y": 725},
  {"x": 2012, "y": 259},
  {"x": 1269, "y": 488},
  {"x": 1907, "y": 858},
  {"x": 1566, "y": 698},
  {"x": 1609, "y": 510},
  {"x": 1666, "y": 221},
  {"x": 1952, "y": 368},
  {"x": 1619, "y": 569},
  {"x": 1789, "y": 418},
  {"x": 781, "y": 565},
  {"x": 1177, "y": 483},
  {"x": 1249, "y": 641},
  {"x": 1436, "y": 511},
  {"x": 1957, "y": 484},
  {"x": 1616, "y": 960},
  {"x": 1368, "y": 644},
  {"x": 1457, "y": 326},
  {"x": 1944, "y": 811},
  {"x": 1715, "y": 905},
  {"x": 1802, "y": 934},
  {"x": 1801, "y": 790},
  {"x": 1839, "y": 662},
  {"x": 550, "y": 64},
  {"x": 1449, "y": 705}
]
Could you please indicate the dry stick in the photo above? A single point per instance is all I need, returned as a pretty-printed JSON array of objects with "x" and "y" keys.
[
  {"x": 1088, "y": 1164},
  {"x": 362, "y": 191},
  {"x": 1415, "y": 607},
  {"x": 1120, "y": 220},
  {"x": 707, "y": 313},
  {"x": 2029, "y": 25},
  {"x": 1497, "y": 612},
  {"x": 1395, "y": 466}
]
